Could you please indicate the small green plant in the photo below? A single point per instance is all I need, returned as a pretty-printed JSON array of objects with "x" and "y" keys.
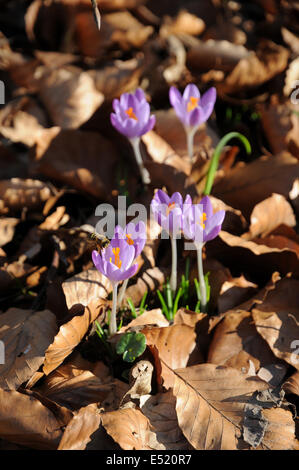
[
  {"x": 131, "y": 345},
  {"x": 142, "y": 306}
]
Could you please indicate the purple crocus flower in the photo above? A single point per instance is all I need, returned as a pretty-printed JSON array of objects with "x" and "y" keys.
[
  {"x": 199, "y": 222},
  {"x": 168, "y": 211},
  {"x": 115, "y": 261},
  {"x": 132, "y": 118},
  {"x": 134, "y": 235},
  {"x": 191, "y": 109},
  {"x": 131, "y": 115}
]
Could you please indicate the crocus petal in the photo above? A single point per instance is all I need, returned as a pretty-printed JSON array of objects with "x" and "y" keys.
[
  {"x": 191, "y": 90},
  {"x": 212, "y": 234},
  {"x": 161, "y": 197},
  {"x": 207, "y": 102},
  {"x": 207, "y": 207},
  {"x": 177, "y": 199},
  {"x": 116, "y": 105},
  {"x": 122, "y": 275},
  {"x": 148, "y": 126},
  {"x": 139, "y": 94},
  {"x": 98, "y": 262},
  {"x": 174, "y": 96},
  {"x": 195, "y": 117}
]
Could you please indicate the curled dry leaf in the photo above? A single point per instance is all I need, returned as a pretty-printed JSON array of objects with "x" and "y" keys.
[
  {"x": 140, "y": 382},
  {"x": 130, "y": 429},
  {"x": 281, "y": 125},
  {"x": 269, "y": 214},
  {"x": 16, "y": 193},
  {"x": 69, "y": 96},
  {"x": 184, "y": 23},
  {"x": 234, "y": 292},
  {"x": 84, "y": 160},
  {"x": 70, "y": 335},
  {"x": 210, "y": 407},
  {"x": 160, "y": 411},
  {"x": 26, "y": 336},
  {"x": 174, "y": 345},
  {"x": 277, "y": 320},
  {"x": 257, "y": 68},
  {"x": 150, "y": 280},
  {"x": 236, "y": 342},
  {"x": 151, "y": 317},
  {"x": 85, "y": 287},
  {"x": 7, "y": 229},
  {"x": 26, "y": 421},
  {"x": 80, "y": 430},
  {"x": 292, "y": 384},
  {"x": 246, "y": 185}
]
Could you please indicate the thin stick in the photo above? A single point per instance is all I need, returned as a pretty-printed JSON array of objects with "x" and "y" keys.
[{"x": 96, "y": 13}]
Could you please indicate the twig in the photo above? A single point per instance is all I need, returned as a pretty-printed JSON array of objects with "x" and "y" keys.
[{"x": 96, "y": 13}]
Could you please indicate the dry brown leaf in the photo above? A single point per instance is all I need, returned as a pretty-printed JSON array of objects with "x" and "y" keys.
[
  {"x": 291, "y": 385},
  {"x": 26, "y": 421},
  {"x": 280, "y": 431},
  {"x": 277, "y": 320},
  {"x": 160, "y": 411},
  {"x": 16, "y": 193},
  {"x": 75, "y": 385},
  {"x": 70, "y": 335},
  {"x": 210, "y": 406},
  {"x": 184, "y": 23},
  {"x": 80, "y": 430},
  {"x": 118, "y": 78},
  {"x": 281, "y": 125},
  {"x": 220, "y": 55},
  {"x": 257, "y": 258},
  {"x": 69, "y": 96},
  {"x": 84, "y": 160},
  {"x": 269, "y": 214},
  {"x": 151, "y": 317},
  {"x": 257, "y": 68},
  {"x": 130, "y": 429},
  {"x": 85, "y": 287},
  {"x": 174, "y": 345},
  {"x": 234, "y": 292},
  {"x": 7, "y": 229},
  {"x": 150, "y": 280},
  {"x": 246, "y": 185},
  {"x": 26, "y": 336},
  {"x": 236, "y": 342}
]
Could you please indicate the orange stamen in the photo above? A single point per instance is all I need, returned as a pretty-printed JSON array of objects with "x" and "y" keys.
[
  {"x": 193, "y": 103},
  {"x": 129, "y": 239},
  {"x": 116, "y": 261},
  {"x": 203, "y": 218},
  {"x": 131, "y": 114},
  {"x": 170, "y": 207}
]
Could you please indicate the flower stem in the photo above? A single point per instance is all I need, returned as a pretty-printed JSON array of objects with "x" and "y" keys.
[
  {"x": 190, "y": 141},
  {"x": 202, "y": 284},
  {"x": 216, "y": 157},
  {"x": 173, "y": 277},
  {"x": 112, "y": 322},
  {"x": 145, "y": 176},
  {"x": 122, "y": 292}
]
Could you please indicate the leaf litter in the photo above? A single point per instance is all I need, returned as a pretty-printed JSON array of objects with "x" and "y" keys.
[{"x": 225, "y": 378}]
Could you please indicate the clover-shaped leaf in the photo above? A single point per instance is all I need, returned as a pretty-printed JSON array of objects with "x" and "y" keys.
[{"x": 131, "y": 345}]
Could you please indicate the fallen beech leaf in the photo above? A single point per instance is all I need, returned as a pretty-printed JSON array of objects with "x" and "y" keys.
[
  {"x": 70, "y": 335},
  {"x": 151, "y": 317},
  {"x": 7, "y": 229},
  {"x": 140, "y": 382},
  {"x": 174, "y": 345},
  {"x": 16, "y": 193},
  {"x": 281, "y": 125},
  {"x": 280, "y": 431},
  {"x": 80, "y": 430},
  {"x": 292, "y": 384},
  {"x": 150, "y": 280},
  {"x": 236, "y": 342},
  {"x": 130, "y": 429},
  {"x": 77, "y": 158},
  {"x": 26, "y": 336},
  {"x": 255, "y": 69},
  {"x": 234, "y": 292},
  {"x": 255, "y": 256},
  {"x": 245, "y": 186},
  {"x": 118, "y": 78},
  {"x": 85, "y": 287},
  {"x": 277, "y": 320},
  {"x": 26, "y": 421},
  {"x": 185, "y": 22},
  {"x": 160, "y": 411},
  {"x": 269, "y": 214},
  {"x": 74, "y": 386},
  {"x": 70, "y": 96},
  {"x": 220, "y": 55},
  {"x": 210, "y": 405}
]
